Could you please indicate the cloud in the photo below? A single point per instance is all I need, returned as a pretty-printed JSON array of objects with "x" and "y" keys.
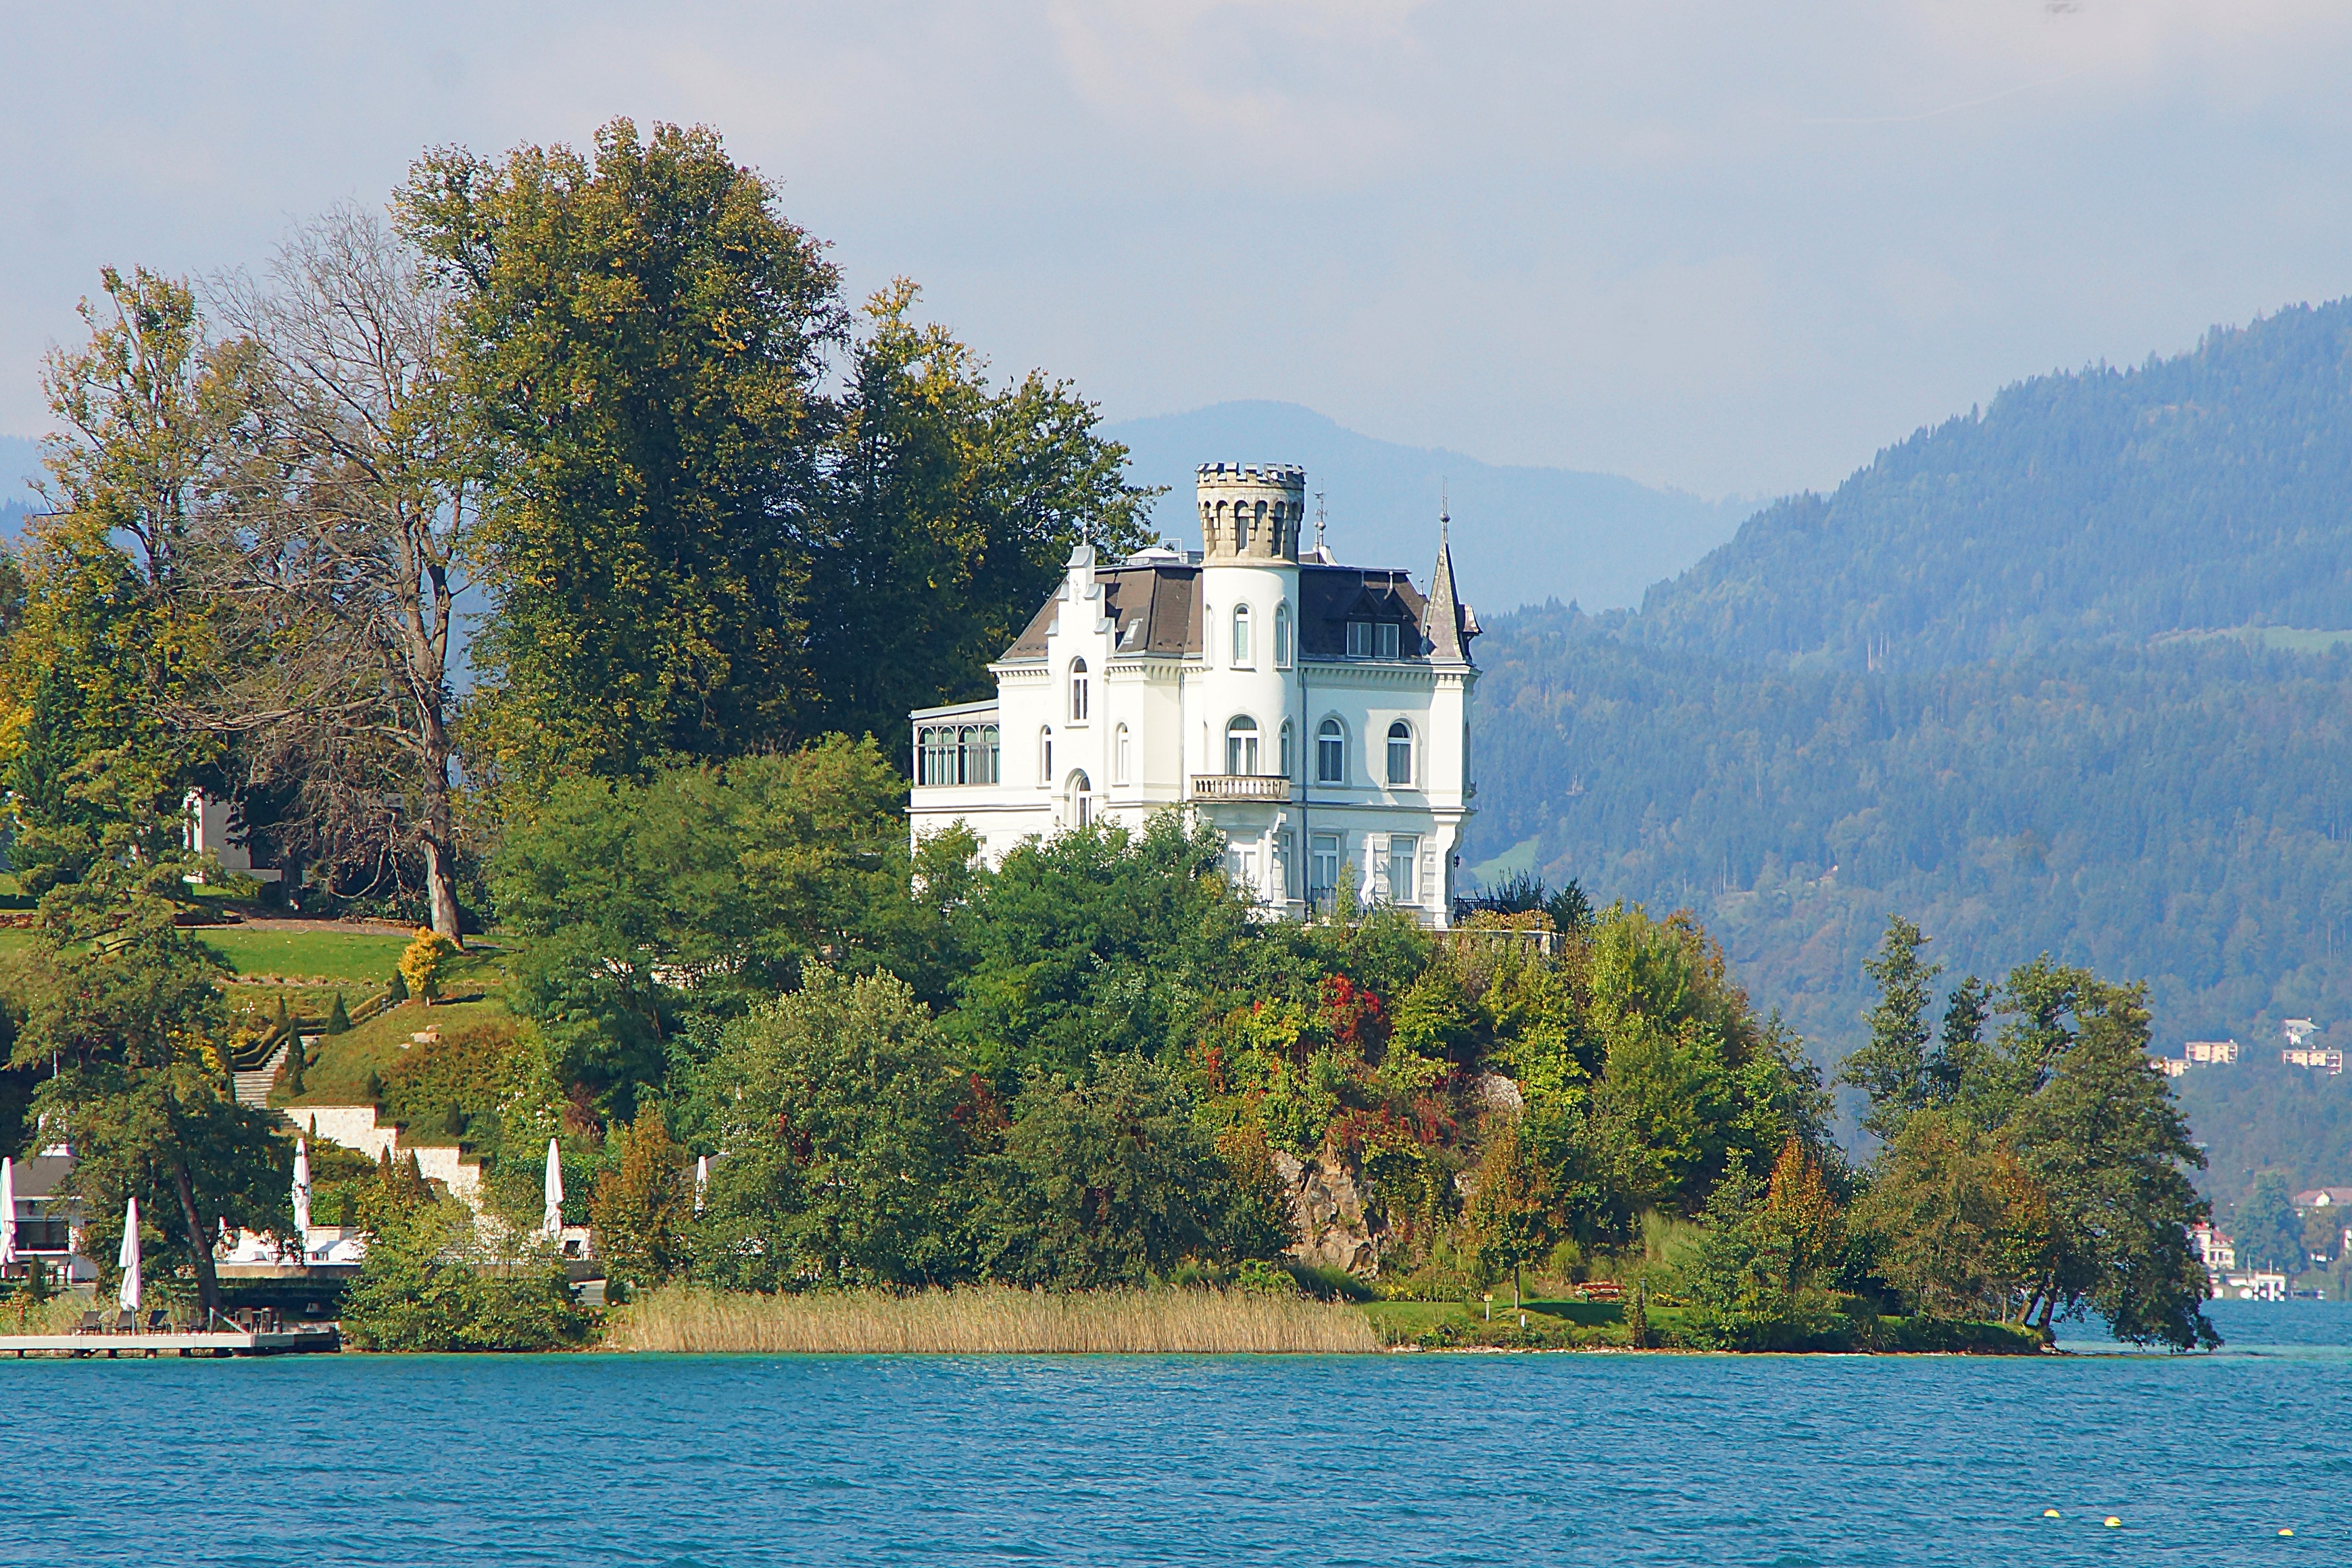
[{"x": 1728, "y": 248}]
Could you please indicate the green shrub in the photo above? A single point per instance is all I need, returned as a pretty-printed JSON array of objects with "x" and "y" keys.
[
  {"x": 426, "y": 1286},
  {"x": 1325, "y": 1284},
  {"x": 338, "y": 1018}
]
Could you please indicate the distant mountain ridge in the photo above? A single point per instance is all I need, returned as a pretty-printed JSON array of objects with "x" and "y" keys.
[
  {"x": 20, "y": 461},
  {"x": 1968, "y": 687},
  {"x": 1521, "y": 535},
  {"x": 2213, "y": 490}
]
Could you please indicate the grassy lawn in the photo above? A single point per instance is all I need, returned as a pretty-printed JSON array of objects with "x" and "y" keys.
[
  {"x": 471, "y": 992},
  {"x": 340, "y": 1075},
  {"x": 14, "y": 940},
  {"x": 354, "y": 958}
]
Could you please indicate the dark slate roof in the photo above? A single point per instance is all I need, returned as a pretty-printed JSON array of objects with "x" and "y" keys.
[
  {"x": 1157, "y": 607},
  {"x": 1331, "y": 596},
  {"x": 40, "y": 1176}
]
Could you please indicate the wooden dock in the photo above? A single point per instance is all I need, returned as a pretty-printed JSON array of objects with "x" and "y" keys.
[{"x": 190, "y": 1343}]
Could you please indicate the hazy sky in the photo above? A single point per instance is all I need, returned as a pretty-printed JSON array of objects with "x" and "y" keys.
[{"x": 1728, "y": 247}]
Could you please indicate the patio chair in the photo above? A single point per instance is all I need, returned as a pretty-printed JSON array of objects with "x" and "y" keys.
[
  {"x": 125, "y": 1323},
  {"x": 87, "y": 1324},
  {"x": 158, "y": 1321}
]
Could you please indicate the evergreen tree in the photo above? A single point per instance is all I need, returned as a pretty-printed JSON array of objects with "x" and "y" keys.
[{"x": 1893, "y": 1067}]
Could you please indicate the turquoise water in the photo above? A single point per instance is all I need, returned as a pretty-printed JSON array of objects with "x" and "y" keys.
[{"x": 1470, "y": 1460}]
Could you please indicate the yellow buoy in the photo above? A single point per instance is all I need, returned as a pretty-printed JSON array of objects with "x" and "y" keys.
[
  {"x": 2114, "y": 1523},
  {"x": 2050, "y": 1513},
  {"x": 2286, "y": 1532}
]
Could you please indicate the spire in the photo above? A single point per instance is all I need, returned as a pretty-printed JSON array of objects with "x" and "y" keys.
[{"x": 1450, "y": 624}]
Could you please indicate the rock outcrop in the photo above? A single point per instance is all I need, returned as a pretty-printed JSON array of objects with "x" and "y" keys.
[{"x": 1327, "y": 1215}]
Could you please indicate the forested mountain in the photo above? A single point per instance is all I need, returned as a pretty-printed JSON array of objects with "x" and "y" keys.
[
  {"x": 1958, "y": 688},
  {"x": 2209, "y": 490}
]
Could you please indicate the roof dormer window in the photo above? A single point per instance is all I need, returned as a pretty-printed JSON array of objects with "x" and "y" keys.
[{"x": 1359, "y": 640}]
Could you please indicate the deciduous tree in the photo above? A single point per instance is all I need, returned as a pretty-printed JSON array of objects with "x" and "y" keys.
[
  {"x": 641, "y": 338},
  {"x": 341, "y": 559},
  {"x": 123, "y": 1011}
]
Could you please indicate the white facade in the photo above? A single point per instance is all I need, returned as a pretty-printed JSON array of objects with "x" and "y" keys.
[
  {"x": 209, "y": 830},
  {"x": 48, "y": 1225},
  {"x": 2216, "y": 1251},
  {"x": 1314, "y": 714}
]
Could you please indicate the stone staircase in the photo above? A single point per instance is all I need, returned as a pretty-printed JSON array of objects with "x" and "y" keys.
[
  {"x": 356, "y": 1127},
  {"x": 253, "y": 1087}
]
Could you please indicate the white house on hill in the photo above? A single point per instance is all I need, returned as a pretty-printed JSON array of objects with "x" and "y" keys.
[{"x": 1314, "y": 714}]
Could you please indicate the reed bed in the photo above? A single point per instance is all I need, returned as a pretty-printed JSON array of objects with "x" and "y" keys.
[{"x": 989, "y": 1321}]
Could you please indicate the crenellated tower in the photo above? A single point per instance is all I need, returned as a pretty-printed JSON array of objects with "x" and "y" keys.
[{"x": 1250, "y": 514}]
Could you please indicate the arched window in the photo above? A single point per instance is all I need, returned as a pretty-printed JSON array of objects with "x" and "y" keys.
[
  {"x": 1331, "y": 753},
  {"x": 1287, "y": 770},
  {"x": 1240, "y": 745},
  {"x": 979, "y": 755},
  {"x": 1122, "y": 759},
  {"x": 1045, "y": 757},
  {"x": 1077, "y": 691},
  {"x": 1400, "y": 753},
  {"x": 1282, "y": 637},
  {"x": 1082, "y": 802},
  {"x": 1242, "y": 658}
]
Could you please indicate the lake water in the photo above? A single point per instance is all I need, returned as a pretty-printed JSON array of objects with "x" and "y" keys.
[{"x": 1383, "y": 1460}]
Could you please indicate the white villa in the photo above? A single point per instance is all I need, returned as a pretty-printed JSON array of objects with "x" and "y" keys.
[{"x": 1314, "y": 714}]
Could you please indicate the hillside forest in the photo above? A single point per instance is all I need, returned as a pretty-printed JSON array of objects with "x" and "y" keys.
[{"x": 2065, "y": 675}]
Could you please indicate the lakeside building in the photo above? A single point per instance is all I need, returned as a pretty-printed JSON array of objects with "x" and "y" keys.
[
  {"x": 2211, "y": 1053},
  {"x": 49, "y": 1228},
  {"x": 2263, "y": 1285},
  {"x": 2215, "y": 1250},
  {"x": 1314, "y": 714}
]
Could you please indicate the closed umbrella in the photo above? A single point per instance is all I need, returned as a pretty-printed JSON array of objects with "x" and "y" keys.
[
  {"x": 701, "y": 1180},
  {"x": 552, "y": 1221},
  {"x": 128, "y": 1259},
  {"x": 302, "y": 1191},
  {"x": 7, "y": 1211}
]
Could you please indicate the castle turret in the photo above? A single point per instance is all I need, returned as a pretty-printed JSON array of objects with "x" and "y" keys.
[{"x": 1251, "y": 513}]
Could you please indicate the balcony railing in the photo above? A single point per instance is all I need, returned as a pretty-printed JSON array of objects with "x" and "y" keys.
[{"x": 1241, "y": 786}]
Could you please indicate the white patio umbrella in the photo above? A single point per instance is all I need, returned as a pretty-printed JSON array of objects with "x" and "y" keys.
[
  {"x": 701, "y": 1180},
  {"x": 128, "y": 1259},
  {"x": 552, "y": 1220},
  {"x": 7, "y": 1211},
  {"x": 302, "y": 1191}
]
